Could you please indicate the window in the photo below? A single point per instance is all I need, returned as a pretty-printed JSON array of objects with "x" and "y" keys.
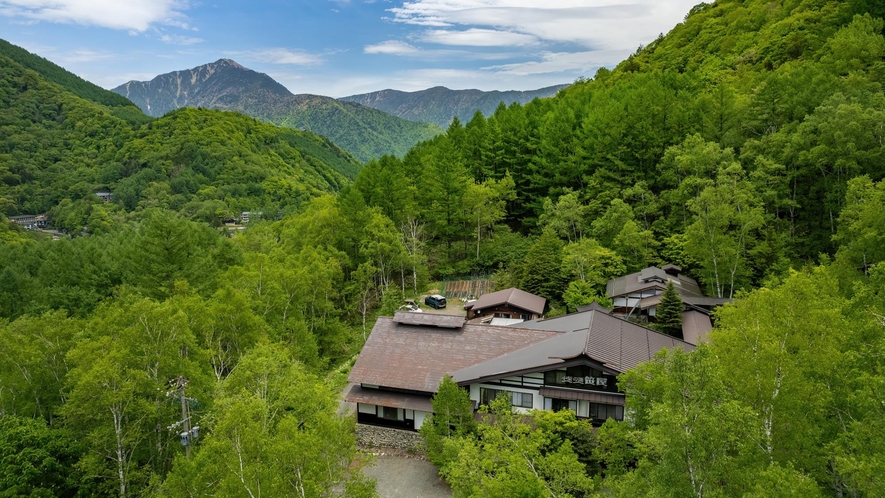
[
  {"x": 522, "y": 399},
  {"x": 390, "y": 413},
  {"x": 602, "y": 412},
  {"x": 486, "y": 396}
]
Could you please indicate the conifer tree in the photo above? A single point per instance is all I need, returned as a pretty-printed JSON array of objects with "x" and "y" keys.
[{"x": 669, "y": 312}]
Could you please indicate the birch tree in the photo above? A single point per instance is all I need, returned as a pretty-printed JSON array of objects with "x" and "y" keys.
[{"x": 725, "y": 216}]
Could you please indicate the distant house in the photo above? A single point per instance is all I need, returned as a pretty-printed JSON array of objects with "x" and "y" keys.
[
  {"x": 638, "y": 294},
  {"x": 509, "y": 304},
  {"x": 105, "y": 196},
  {"x": 246, "y": 215},
  {"x": 30, "y": 221},
  {"x": 564, "y": 363}
]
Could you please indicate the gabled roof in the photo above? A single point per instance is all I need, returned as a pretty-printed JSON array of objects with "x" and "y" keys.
[
  {"x": 416, "y": 357},
  {"x": 513, "y": 296},
  {"x": 594, "y": 306},
  {"x": 617, "y": 344},
  {"x": 652, "y": 277}
]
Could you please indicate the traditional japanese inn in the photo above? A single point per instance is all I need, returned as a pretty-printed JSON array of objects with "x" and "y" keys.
[{"x": 570, "y": 362}]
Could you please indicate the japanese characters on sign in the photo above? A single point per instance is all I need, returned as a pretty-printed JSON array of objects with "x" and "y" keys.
[{"x": 587, "y": 381}]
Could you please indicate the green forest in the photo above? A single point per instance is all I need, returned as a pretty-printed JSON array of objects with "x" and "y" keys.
[{"x": 746, "y": 146}]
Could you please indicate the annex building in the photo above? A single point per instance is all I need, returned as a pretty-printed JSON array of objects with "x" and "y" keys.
[
  {"x": 508, "y": 304},
  {"x": 637, "y": 296},
  {"x": 570, "y": 362}
]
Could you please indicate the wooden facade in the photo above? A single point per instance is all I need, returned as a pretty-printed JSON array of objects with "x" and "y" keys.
[{"x": 505, "y": 310}]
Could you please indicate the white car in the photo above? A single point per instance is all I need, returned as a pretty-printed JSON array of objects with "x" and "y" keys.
[{"x": 410, "y": 306}]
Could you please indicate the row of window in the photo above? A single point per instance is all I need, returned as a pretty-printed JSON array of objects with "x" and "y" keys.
[
  {"x": 597, "y": 411},
  {"x": 486, "y": 396}
]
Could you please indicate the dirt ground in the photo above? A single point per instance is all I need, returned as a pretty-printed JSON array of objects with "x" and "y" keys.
[{"x": 403, "y": 476}]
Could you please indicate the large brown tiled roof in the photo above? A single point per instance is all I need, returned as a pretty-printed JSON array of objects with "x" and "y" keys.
[
  {"x": 417, "y": 357},
  {"x": 513, "y": 296},
  {"x": 615, "y": 343}
]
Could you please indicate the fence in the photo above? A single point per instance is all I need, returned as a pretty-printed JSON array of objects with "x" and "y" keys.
[{"x": 466, "y": 288}]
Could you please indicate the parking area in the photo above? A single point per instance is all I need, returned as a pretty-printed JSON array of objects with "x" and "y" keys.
[
  {"x": 406, "y": 477},
  {"x": 454, "y": 306}
]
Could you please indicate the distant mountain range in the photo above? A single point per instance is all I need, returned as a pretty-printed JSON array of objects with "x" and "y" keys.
[
  {"x": 439, "y": 104},
  {"x": 65, "y": 138},
  {"x": 363, "y": 131}
]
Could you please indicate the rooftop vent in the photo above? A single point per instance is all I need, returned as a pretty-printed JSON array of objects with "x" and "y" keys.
[{"x": 672, "y": 270}]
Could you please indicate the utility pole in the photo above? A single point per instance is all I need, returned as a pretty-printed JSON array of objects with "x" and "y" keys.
[
  {"x": 188, "y": 434},
  {"x": 185, "y": 436}
]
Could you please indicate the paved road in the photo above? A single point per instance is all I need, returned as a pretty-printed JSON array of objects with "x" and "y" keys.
[{"x": 401, "y": 477}]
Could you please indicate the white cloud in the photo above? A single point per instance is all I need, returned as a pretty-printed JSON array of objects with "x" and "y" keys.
[
  {"x": 180, "y": 40},
  {"x": 77, "y": 56},
  {"x": 477, "y": 37},
  {"x": 599, "y": 24},
  {"x": 581, "y": 62},
  {"x": 134, "y": 15},
  {"x": 391, "y": 47},
  {"x": 279, "y": 56}
]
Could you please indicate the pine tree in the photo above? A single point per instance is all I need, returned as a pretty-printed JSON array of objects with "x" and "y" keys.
[{"x": 669, "y": 312}]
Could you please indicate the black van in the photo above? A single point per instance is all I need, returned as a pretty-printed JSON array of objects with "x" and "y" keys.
[{"x": 435, "y": 301}]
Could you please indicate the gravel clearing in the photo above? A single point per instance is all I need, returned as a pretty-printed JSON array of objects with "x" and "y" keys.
[{"x": 400, "y": 475}]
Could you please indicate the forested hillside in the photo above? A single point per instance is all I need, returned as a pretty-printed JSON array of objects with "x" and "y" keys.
[
  {"x": 439, "y": 105},
  {"x": 58, "y": 149},
  {"x": 725, "y": 147},
  {"x": 120, "y": 107},
  {"x": 365, "y": 132}
]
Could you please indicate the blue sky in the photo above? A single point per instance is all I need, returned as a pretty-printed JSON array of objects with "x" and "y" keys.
[{"x": 343, "y": 47}]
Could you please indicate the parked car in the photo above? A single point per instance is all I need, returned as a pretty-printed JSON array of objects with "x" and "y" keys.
[
  {"x": 409, "y": 305},
  {"x": 435, "y": 301}
]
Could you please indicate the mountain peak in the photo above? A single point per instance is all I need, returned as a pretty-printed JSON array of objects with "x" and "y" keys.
[
  {"x": 221, "y": 84},
  {"x": 229, "y": 62}
]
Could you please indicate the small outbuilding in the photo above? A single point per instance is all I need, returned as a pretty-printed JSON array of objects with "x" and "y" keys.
[{"x": 509, "y": 303}]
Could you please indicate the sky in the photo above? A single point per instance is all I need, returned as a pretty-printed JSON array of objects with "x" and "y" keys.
[{"x": 343, "y": 47}]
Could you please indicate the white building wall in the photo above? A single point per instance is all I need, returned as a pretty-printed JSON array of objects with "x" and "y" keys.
[{"x": 419, "y": 419}]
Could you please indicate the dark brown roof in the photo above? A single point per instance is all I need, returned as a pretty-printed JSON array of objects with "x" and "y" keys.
[
  {"x": 652, "y": 277},
  {"x": 513, "y": 296},
  {"x": 384, "y": 398},
  {"x": 609, "y": 399},
  {"x": 430, "y": 320},
  {"x": 616, "y": 344},
  {"x": 417, "y": 357},
  {"x": 695, "y": 326}
]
